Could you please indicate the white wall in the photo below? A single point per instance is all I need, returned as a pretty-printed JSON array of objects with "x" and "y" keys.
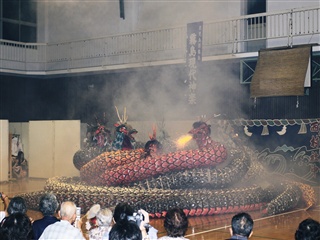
[
  {"x": 60, "y": 21},
  {"x": 76, "y": 20},
  {"x": 276, "y": 6},
  {"x": 4, "y": 150}
]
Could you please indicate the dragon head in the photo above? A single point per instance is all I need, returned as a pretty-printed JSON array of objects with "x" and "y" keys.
[{"x": 201, "y": 133}]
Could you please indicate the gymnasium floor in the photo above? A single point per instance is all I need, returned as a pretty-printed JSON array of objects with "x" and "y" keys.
[{"x": 277, "y": 227}]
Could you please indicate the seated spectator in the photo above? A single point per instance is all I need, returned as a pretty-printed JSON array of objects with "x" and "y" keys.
[
  {"x": 104, "y": 220},
  {"x": 125, "y": 230},
  {"x": 120, "y": 209},
  {"x": 124, "y": 210},
  {"x": 241, "y": 226},
  {"x": 20, "y": 166},
  {"x": 16, "y": 227},
  {"x": 5, "y": 201},
  {"x": 91, "y": 217},
  {"x": 175, "y": 224},
  {"x": 48, "y": 206},
  {"x": 64, "y": 228},
  {"x": 16, "y": 205},
  {"x": 308, "y": 229}
]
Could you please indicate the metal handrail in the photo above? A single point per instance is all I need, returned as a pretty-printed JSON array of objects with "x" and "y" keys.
[{"x": 163, "y": 46}]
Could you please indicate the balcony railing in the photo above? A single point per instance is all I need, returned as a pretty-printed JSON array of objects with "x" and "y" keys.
[{"x": 162, "y": 46}]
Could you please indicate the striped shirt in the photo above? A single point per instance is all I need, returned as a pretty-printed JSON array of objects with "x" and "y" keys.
[{"x": 61, "y": 230}]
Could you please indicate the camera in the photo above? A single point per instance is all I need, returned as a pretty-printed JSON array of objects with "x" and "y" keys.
[
  {"x": 78, "y": 216},
  {"x": 137, "y": 217}
]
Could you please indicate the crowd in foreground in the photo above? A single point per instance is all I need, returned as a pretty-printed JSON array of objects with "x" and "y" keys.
[{"x": 120, "y": 223}]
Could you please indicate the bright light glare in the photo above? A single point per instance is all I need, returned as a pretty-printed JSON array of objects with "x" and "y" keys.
[{"x": 183, "y": 140}]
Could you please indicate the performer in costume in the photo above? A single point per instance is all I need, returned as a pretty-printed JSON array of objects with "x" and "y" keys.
[{"x": 124, "y": 139}]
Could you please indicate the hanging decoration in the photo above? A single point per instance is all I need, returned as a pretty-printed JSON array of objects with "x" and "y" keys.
[
  {"x": 121, "y": 8},
  {"x": 193, "y": 58},
  {"x": 283, "y": 130},
  {"x": 246, "y": 131},
  {"x": 275, "y": 122},
  {"x": 303, "y": 128},
  {"x": 265, "y": 130}
]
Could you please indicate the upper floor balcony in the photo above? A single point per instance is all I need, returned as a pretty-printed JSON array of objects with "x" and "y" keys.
[{"x": 239, "y": 37}]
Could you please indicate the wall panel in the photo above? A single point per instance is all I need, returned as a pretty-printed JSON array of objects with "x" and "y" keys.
[
  {"x": 66, "y": 143},
  {"x": 4, "y": 150},
  {"x": 41, "y": 149},
  {"x": 52, "y": 145}
]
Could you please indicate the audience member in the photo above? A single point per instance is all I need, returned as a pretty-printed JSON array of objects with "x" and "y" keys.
[
  {"x": 175, "y": 224},
  {"x": 5, "y": 201},
  {"x": 16, "y": 227},
  {"x": 48, "y": 206},
  {"x": 91, "y": 217},
  {"x": 124, "y": 210},
  {"x": 125, "y": 230},
  {"x": 64, "y": 229},
  {"x": 309, "y": 229},
  {"x": 16, "y": 205},
  {"x": 104, "y": 220},
  {"x": 241, "y": 226}
]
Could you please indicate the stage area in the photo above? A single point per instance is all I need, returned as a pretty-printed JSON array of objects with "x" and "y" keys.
[{"x": 279, "y": 227}]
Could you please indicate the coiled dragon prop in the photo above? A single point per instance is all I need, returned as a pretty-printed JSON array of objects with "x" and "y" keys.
[{"x": 204, "y": 181}]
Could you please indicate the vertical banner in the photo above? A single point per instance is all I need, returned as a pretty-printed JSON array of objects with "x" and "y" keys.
[{"x": 193, "y": 58}]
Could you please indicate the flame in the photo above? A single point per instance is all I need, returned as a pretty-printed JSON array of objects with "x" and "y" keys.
[{"x": 183, "y": 140}]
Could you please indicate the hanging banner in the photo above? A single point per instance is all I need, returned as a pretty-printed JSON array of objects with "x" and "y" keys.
[{"x": 193, "y": 58}]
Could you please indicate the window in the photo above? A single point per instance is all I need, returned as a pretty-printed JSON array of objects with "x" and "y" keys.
[
  {"x": 254, "y": 7},
  {"x": 18, "y": 19}
]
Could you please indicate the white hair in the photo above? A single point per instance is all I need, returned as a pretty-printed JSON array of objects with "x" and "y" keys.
[{"x": 104, "y": 217}]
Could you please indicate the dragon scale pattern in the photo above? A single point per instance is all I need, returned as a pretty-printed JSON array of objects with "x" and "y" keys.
[
  {"x": 191, "y": 179},
  {"x": 271, "y": 200},
  {"x": 211, "y": 177},
  {"x": 129, "y": 169}
]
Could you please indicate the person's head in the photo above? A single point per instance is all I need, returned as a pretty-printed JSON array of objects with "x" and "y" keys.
[
  {"x": 241, "y": 224},
  {"x": 20, "y": 155},
  {"x": 122, "y": 128},
  {"x": 16, "y": 227},
  {"x": 17, "y": 205},
  {"x": 176, "y": 222},
  {"x": 308, "y": 229},
  {"x": 91, "y": 216},
  {"x": 122, "y": 211},
  {"x": 48, "y": 204},
  {"x": 125, "y": 230},
  {"x": 68, "y": 211},
  {"x": 153, "y": 147},
  {"x": 104, "y": 217},
  {"x": 200, "y": 128}
]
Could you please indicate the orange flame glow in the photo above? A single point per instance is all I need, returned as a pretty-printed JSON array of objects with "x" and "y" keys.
[{"x": 183, "y": 140}]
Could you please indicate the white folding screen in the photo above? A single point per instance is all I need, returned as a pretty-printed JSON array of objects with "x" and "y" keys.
[
  {"x": 4, "y": 150},
  {"x": 52, "y": 145}
]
